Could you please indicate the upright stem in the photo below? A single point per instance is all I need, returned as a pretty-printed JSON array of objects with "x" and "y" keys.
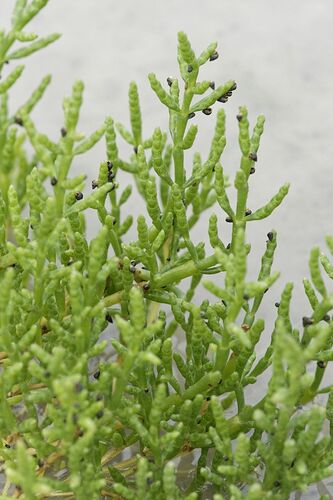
[{"x": 181, "y": 122}]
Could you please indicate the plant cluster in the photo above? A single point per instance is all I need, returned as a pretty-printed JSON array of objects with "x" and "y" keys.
[{"x": 87, "y": 418}]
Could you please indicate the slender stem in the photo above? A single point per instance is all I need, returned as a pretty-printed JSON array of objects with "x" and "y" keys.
[{"x": 183, "y": 271}]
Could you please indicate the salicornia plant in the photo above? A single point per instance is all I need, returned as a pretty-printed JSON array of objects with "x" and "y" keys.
[{"x": 87, "y": 416}]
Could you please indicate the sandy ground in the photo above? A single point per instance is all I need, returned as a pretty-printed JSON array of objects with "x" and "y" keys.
[{"x": 280, "y": 54}]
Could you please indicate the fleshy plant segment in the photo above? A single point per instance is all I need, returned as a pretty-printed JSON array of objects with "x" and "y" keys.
[{"x": 82, "y": 417}]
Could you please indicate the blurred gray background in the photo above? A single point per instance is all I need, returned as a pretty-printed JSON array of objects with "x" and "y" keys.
[{"x": 279, "y": 53}]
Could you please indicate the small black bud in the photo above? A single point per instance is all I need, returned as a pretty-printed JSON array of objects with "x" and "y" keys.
[
  {"x": 7, "y": 445},
  {"x": 248, "y": 211},
  {"x": 108, "y": 318},
  {"x": 146, "y": 390},
  {"x": 214, "y": 56},
  {"x": 234, "y": 87},
  {"x": 133, "y": 262},
  {"x": 239, "y": 117},
  {"x": 229, "y": 93},
  {"x": 326, "y": 317},
  {"x": 208, "y": 398},
  {"x": 307, "y": 321},
  {"x": 111, "y": 176},
  {"x": 100, "y": 414},
  {"x": 277, "y": 304},
  {"x": 252, "y": 170},
  {"x": 191, "y": 115},
  {"x": 228, "y": 219},
  {"x": 277, "y": 484},
  {"x": 226, "y": 458},
  {"x": 94, "y": 184},
  {"x": 270, "y": 236},
  {"x": 246, "y": 296},
  {"x": 253, "y": 156},
  {"x": 212, "y": 85},
  {"x": 265, "y": 291},
  {"x": 169, "y": 81},
  {"x": 109, "y": 165},
  {"x": 63, "y": 131},
  {"x": 146, "y": 286},
  {"x": 54, "y": 181},
  {"x": 97, "y": 374},
  {"x": 228, "y": 246},
  {"x": 321, "y": 364},
  {"x": 135, "y": 149},
  {"x": 168, "y": 259},
  {"x": 207, "y": 111},
  {"x": 78, "y": 195},
  {"x": 18, "y": 120},
  {"x": 223, "y": 98},
  {"x": 189, "y": 68}
]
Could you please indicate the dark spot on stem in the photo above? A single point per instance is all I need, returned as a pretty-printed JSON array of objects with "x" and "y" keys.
[
  {"x": 18, "y": 120},
  {"x": 169, "y": 81},
  {"x": 307, "y": 321},
  {"x": 191, "y": 115},
  {"x": 321, "y": 364},
  {"x": 189, "y": 68},
  {"x": 63, "y": 131},
  {"x": 270, "y": 236},
  {"x": 78, "y": 195},
  {"x": 253, "y": 156},
  {"x": 207, "y": 111},
  {"x": 212, "y": 85},
  {"x": 54, "y": 181},
  {"x": 252, "y": 170},
  {"x": 214, "y": 56}
]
